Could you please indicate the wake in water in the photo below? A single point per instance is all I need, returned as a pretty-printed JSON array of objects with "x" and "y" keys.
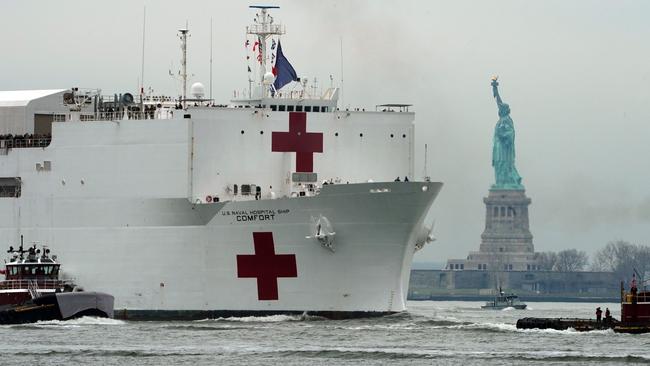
[
  {"x": 72, "y": 323},
  {"x": 265, "y": 319}
]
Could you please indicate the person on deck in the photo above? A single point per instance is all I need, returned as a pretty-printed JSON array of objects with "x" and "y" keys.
[
  {"x": 599, "y": 314},
  {"x": 608, "y": 316}
]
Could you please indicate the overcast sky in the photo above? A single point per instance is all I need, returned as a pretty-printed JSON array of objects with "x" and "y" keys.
[{"x": 575, "y": 73}]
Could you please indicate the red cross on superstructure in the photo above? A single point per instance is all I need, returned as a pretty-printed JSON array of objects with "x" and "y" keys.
[
  {"x": 266, "y": 266},
  {"x": 298, "y": 140}
]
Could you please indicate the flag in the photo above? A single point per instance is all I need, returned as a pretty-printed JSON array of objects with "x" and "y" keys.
[
  {"x": 283, "y": 71},
  {"x": 255, "y": 45},
  {"x": 272, "y": 44},
  {"x": 247, "y": 43}
]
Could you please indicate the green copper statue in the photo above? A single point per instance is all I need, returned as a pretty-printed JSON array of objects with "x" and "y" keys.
[{"x": 503, "y": 151}]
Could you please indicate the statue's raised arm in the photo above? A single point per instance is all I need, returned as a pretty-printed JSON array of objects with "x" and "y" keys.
[
  {"x": 495, "y": 90},
  {"x": 504, "y": 108}
]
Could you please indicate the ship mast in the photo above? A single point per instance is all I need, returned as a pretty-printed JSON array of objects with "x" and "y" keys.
[
  {"x": 263, "y": 29},
  {"x": 183, "y": 36}
]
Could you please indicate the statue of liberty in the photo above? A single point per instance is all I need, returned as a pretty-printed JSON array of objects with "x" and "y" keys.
[{"x": 503, "y": 150}]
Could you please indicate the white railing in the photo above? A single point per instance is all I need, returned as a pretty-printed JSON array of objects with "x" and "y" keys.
[
  {"x": 266, "y": 29},
  {"x": 27, "y": 284},
  {"x": 115, "y": 116},
  {"x": 20, "y": 141}
]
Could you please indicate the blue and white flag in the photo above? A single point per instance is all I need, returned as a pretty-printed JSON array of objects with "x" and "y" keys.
[{"x": 283, "y": 71}]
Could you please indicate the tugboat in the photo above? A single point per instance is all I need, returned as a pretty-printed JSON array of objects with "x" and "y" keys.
[
  {"x": 32, "y": 290},
  {"x": 635, "y": 309},
  {"x": 635, "y": 315},
  {"x": 503, "y": 301}
]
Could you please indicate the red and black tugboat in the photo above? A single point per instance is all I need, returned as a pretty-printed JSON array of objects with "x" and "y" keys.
[
  {"x": 635, "y": 315},
  {"x": 635, "y": 309},
  {"x": 29, "y": 274},
  {"x": 33, "y": 291}
]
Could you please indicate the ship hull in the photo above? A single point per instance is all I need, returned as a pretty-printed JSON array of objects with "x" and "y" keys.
[
  {"x": 170, "y": 259},
  {"x": 59, "y": 306}
]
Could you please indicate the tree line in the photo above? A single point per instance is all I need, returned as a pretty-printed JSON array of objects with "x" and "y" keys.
[{"x": 620, "y": 257}]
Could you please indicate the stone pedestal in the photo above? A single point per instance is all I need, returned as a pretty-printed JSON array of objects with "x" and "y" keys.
[{"x": 506, "y": 242}]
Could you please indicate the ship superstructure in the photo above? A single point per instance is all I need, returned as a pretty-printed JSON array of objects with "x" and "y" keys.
[{"x": 183, "y": 208}]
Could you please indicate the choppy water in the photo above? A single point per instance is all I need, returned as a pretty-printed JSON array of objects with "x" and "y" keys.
[{"x": 453, "y": 333}]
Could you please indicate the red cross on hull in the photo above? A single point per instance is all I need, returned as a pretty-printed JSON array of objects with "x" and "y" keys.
[
  {"x": 266, "y": 266},
  {"x": 298, "y": 140}
]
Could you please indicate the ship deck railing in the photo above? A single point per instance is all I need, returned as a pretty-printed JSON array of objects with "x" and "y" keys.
[
  {"x": 164, "y": 113},
  {"x": 22, "y": 142},
  {"x": 43, "y": 284}
]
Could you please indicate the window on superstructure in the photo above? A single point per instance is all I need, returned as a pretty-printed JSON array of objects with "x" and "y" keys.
[
  {"x": 274, "y": 107},
  {"x": 298, "y": 108},
  {"x": 10, "y": 187},
  {"x": 316, "y": 108},
  {"x": 307, "y": 108},
  {"x": 324, "y": 109},
  {"x": 289, "y": 108},
  {"x": 282, "y": 108},
  {"x": 245, "y": 189},
  {"x": 234, "y": 189}
]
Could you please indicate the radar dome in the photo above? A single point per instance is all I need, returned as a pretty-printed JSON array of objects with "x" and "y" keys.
[
  {"x": 269, "y": 78},
  {"x": 197, "y": 90}
]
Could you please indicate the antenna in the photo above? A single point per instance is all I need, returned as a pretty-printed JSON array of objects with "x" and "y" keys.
[
  {"x": 183, "y": 36},
  {"x": 144, "y": 27},
  {"x": 427, "y": 178},
  {"x": 210, "y": 58},
  {"x": 342, "y": 100}
]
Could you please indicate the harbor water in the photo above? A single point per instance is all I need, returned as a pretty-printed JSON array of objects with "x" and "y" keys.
[{"x": 444, "y": 333}]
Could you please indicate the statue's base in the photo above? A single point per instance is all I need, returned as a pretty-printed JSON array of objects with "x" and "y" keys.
[
  {"x": 508, "y": 187},
  {"x": 506, "y": 197},
  {"x": 506, "y": 243}
]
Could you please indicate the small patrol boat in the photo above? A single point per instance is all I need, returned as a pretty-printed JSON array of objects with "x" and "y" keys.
[
  {"x": 32, "y": 290},
  {"x": 503, "y": 301}
]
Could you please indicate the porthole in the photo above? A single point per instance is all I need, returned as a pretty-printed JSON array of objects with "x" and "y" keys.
[
  {"x": 404, "y": 135},
  {"x": 261, "y": 132},
  {"x": 336, "y": 134},
  {"x": 242, "y": 132},
  {"x": 391, "y": 135},
  {"x": 361, "y": 135}
]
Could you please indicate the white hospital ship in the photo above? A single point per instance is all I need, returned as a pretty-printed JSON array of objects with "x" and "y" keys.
[{"x": 277, "y": 202}]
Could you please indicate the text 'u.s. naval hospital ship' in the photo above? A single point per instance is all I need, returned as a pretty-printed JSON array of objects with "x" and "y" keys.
[{"x": 278, "y": 202}]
